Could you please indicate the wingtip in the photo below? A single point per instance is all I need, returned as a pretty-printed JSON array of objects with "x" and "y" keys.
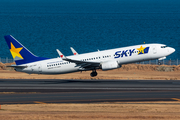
[{"x": 60, "y": 54}]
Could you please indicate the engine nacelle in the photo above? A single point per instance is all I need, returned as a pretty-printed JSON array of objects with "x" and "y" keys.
[{"x": 110, "y": 65}]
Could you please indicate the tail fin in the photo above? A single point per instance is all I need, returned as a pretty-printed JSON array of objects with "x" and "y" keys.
[{"x": 20, "y": 54}]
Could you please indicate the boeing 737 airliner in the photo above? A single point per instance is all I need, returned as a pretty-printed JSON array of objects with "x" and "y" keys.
[{"x": 105, "y": 60}]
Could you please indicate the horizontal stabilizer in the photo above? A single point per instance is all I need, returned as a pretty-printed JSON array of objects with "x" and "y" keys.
[{"x": 16, "y": 66}]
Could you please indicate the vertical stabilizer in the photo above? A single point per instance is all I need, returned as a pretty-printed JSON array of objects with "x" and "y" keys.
[{"x": 20, "y": 54}]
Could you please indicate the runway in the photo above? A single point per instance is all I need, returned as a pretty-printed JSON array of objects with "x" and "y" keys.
[{"x": 86, "y": 91}]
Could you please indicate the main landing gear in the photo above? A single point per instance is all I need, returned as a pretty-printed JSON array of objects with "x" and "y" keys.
[{"x": 93, "y": 73}]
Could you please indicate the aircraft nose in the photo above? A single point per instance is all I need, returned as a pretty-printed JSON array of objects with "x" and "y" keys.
[{"x": 171, "y": 50}]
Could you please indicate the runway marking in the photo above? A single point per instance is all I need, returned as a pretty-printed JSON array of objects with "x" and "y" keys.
[
  {"x": 175, "y": 99},
  {"x": 39, "y": 102}
]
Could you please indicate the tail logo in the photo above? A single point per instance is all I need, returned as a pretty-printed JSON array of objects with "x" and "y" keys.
[{"x": 16, "y": 52}]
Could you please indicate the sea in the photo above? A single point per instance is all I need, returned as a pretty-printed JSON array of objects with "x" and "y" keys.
[{"x": 89, "y": 25}]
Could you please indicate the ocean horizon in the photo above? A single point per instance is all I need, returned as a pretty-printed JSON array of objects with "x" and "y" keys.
[{"x": 43, "y": 26}]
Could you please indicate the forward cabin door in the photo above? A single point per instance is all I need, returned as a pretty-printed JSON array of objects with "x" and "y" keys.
[{"x": 154, "y": 50}]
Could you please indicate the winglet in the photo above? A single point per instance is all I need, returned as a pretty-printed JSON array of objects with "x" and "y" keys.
[
  {"x": 73, "y": 51},
  {"x": 60, "y": 53}
]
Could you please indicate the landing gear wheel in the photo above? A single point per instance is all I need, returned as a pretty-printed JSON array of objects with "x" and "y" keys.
[
  {"x": 159, "y": 63},
  {"x": 93, "y": 74}
]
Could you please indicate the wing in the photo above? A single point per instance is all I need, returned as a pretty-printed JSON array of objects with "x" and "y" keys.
[{"x": 84, "y": 64}]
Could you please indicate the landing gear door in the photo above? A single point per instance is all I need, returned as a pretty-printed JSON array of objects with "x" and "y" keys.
[{"x": 154, "y": 50}]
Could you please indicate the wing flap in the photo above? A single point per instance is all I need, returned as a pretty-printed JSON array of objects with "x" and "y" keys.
[
  {"x": 79, "y": 61},
  {"x": 83, "y": 63}
]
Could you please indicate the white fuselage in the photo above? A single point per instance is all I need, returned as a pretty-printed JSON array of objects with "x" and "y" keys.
[{"x": 123, "y": 55}]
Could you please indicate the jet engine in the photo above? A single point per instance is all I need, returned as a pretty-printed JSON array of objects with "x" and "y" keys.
[{"x": 110, "y": 65}]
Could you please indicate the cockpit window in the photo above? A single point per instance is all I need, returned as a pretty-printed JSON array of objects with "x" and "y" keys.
[{"x": 163, "y": 46}]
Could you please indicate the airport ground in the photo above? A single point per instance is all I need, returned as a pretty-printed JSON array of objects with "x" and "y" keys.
[
  {"x": 149, "y": 110},
  {"x": 93, "y": 111},
  {"x": 89, "y": 99}
]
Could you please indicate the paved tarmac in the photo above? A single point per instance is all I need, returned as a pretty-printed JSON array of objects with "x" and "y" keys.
[{"x": 86, "y": 91}]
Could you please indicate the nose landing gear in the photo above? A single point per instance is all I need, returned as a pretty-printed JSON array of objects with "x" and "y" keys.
[{"x": 93, "y": 73}]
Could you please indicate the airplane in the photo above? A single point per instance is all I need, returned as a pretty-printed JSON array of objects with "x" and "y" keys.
[{"x": 106, "y": 60}]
